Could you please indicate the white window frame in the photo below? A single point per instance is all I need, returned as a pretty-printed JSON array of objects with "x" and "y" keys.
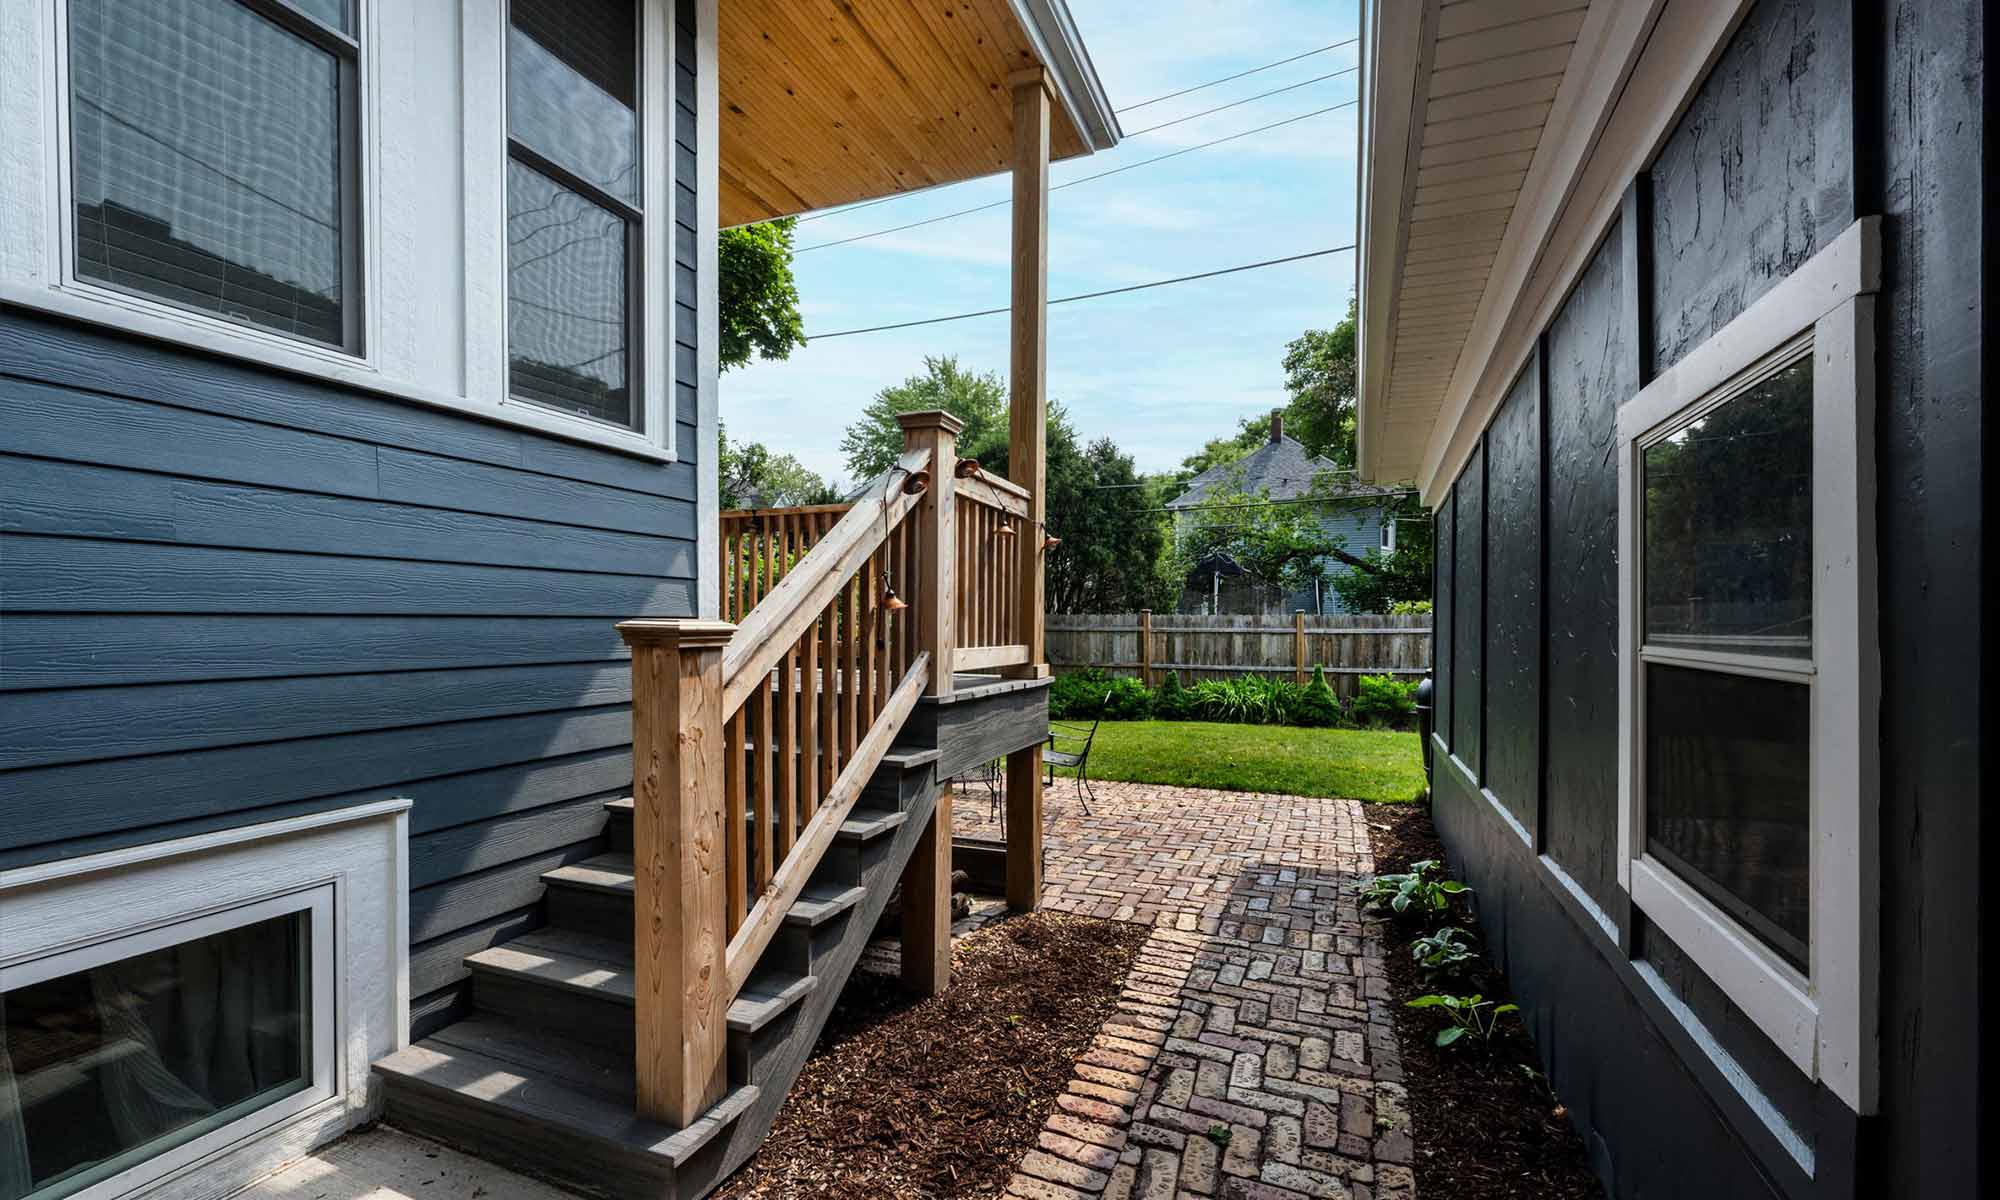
[
  {"x": 1388, "y": 534},
  {"x": 323, "y": 1084},
  {"x": 1822, "y": 1018},
  {"x": 419, "y": 291},
  {"x": 349, "y": 867}
]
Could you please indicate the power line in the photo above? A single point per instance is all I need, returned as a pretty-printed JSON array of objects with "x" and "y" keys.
[
  {"x": 1133, "y": 287},
  {"x": 1239, "y": 75},
  {"x": 1290, "y": 87},
  {"x": 1144, "y": 162}
]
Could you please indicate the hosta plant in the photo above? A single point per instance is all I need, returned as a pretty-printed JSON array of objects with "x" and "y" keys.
[
  {"x": 1471, "y": 1016},
  {"x": 1442, "y": 952},
  {"x": 1416, "y": 888}
]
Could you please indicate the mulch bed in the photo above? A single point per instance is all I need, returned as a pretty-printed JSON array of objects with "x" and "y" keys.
[
  {"x": 1484, "y": 1126},
  {"x": 941, "y": 1097}
]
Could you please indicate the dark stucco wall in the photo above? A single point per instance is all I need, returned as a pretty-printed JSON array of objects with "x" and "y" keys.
[
  {"x": 229, "y": 596},
  {"x": 1814, "y": 115}
]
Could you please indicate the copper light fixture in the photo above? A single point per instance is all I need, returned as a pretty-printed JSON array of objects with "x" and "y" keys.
[
  {"x": 1051, "y": 542},
  {"x": 968, "y": 468},
  {"x": 890, "y": 600},
  {"x": 1006, "y": 530},
  {"x": 918, "y": 483}
]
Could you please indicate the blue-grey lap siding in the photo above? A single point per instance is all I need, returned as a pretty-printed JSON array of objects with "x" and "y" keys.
[
  {"x": 229, "y": 595},
  {"x": 1676, "y": 1090}
]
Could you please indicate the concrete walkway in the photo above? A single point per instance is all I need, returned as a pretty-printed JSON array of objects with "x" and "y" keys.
[{"x": 1254, "y": 1054}]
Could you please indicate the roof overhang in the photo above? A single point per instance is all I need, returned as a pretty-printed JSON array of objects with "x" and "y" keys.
[
  {"x": 829, "y": 102},
  {"x": 1483, "y": 189}
]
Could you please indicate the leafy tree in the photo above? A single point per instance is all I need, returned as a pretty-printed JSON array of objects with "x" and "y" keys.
[
  {"x": 1320, "y": 377},
  {"x": 1282, "y": 542},
  {"x": 875, "y": 441},
  {"x": 1402, "y": 575},
  {"x": 758, "y": 298},
  {"x": 748, "y": 473},
  {"x": 1111, "y": 537}
]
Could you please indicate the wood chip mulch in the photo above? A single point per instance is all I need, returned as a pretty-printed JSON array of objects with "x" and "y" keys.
[
  {"x": 940, "y": 1098},
  {"x": 1486, "y": 1125}
]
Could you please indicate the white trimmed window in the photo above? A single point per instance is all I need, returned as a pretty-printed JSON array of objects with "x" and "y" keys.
[
  {"x": 1748, "y": 696},
  {"x": 469, "y": 206}
]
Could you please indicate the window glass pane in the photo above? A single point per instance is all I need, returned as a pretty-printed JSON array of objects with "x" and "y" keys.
[
  {"x": 206, "y": 145},
  {"x": 1728, "y": 802},
  {"x": 571, "y": 99},
  {"x": 1728, "y": 534},
  {"x": 334, "y": 13},
  {"x": 566, "y": 297},
  {"x": 106, "y": 1067}
]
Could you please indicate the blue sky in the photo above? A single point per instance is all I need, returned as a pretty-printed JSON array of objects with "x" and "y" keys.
[{"x": 1159, "y": 371}]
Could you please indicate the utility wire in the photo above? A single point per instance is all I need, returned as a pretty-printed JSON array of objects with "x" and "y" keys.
[
  {"x": 1144, "y": 162},
  {"x": 1240, "y": 74},
  {"x": 1290, "y": 87},
  {"x": 1133, "y": 287}
]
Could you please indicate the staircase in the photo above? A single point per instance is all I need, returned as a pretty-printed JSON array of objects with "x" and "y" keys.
[{"x": 540, "y": 1077}]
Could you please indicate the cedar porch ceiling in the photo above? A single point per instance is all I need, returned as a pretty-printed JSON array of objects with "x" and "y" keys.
[
  {"x": 1494, "y": 68},
  {"x": 829, "y": 102}
]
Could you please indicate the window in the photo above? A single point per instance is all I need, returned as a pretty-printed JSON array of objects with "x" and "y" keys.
[
  {"x": 1748, "y": 695},
  {"x": 1388, "y": 535},
  {"x": 574, "y": 190},
  {"x": 122, "y": 1060},
  {"x": 212, "y": 160}
]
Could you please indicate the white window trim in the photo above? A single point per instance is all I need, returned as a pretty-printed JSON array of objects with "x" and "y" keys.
[
  {"x": 1823, "y": 1019},
  {"x": 349, "y": 866},
  {"x": 36, "y": 241}
]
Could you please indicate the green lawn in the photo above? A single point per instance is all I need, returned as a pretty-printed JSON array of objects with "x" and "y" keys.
[{"x": 1359, "y": 764}]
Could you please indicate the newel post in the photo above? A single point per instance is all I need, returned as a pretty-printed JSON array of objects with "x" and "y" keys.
[
  {"x": 679, "y": 867},
  {"x": 934, "y": 593}
]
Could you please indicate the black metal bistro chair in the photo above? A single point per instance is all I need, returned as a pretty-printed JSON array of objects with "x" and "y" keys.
[{"x": 1078, "y": 760}]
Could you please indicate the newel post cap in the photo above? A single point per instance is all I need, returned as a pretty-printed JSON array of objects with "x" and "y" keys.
[
  {"x": 930, "y": 418},
  {"x": 677, "y": 633}
]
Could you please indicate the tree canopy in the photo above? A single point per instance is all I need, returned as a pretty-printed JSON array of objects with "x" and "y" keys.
[
  {"x": 1320, "y": 378},
  {"x": 749, "y": 475},
  {"x": 874, "y": 442},
  {"x": 758, "y": 299},
  {"x": 1402, "y": 574}
]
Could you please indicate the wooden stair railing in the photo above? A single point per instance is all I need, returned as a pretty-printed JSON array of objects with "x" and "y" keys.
[
  {"x": 760, "y": 546},
  {"x": 751, "y": 744},
  {"x": 992, "y": 518}
]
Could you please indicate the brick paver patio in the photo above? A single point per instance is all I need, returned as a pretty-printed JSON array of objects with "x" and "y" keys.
[{"x": 1253, "y": 1056}]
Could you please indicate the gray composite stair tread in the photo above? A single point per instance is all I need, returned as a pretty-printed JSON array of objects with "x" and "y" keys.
[
  {"x": 604, "y": 873},
  {"x": 867, "y": 824},
  {"x": 553, "y": 968},
  {"x": 583, "y": 1114},
  {"x": 536, "y": 1047},
  {"x": 818, "y": 905},
  {"x": 763, "y": 1001}
]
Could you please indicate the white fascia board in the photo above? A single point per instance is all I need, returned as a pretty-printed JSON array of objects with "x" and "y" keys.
[
  {"x": 1392, "y": 54},
  {"x": 1060, "y": 47}
]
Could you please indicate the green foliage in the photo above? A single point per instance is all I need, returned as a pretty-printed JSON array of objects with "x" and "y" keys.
[
  {"x": 875, "y": 441},
  {"x": 757, "y": 296},
  {"x": 1443, "y": 952},
  {"x": 1174, "y": 702},
  {"x": 1320, "y": 376},
  {"x": 1384, "y": 699},
  {"x": 1403, "y": 575},
  {"x": 1410, "y": 608},
  {"x": 1471, "y": 1016},
  {"x": 1318, "y": 707},
  {"x": 1416, "y": 888},
  {"x": 749, "y": 474},
  {"x": 1127, "y": 700},
  {"x": 1219, "y": 1134},
  {"x": 1280, "y": 542},
  {"x": 1078, "y": 695},
  {"x": 1247, "y": 700}
]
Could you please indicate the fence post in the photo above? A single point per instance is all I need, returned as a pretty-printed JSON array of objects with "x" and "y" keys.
[
  {"x": 927, "y": 877},
  {"x": 1299, "y": 646},
  {"x": 1146, "y": 646},
  {"x": 680, "y": 916}
]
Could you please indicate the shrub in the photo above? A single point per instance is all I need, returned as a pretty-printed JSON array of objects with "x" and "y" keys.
[
  {"x": 1384, "y": 699},
  {"x": 1401, "y": 890},
  {"x": 1128, "y": 700},
  {"x": 1318, "y": 707},
  {"x": 1174, "y": 702},
  {"x": 1078, "y": 696},
  {"x": 1410, "y": 608},
  {"x": 1246, "y": 700}
]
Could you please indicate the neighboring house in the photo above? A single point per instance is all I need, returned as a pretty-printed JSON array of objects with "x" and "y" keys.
[
  {"x": 1281, "y": 469},
  {"x": 1676, "y": 311},
  {"x": 358, "y": 367}
]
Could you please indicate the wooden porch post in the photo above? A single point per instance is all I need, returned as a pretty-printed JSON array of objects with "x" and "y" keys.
[
  {"x": 934, "y": 594},
  {"x": 680, "y": 929},
  {"x": 1027, "y": 450}
]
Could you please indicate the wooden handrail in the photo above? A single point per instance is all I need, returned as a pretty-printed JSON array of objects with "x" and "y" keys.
[
  {"x": 777, "y": 897},
  {"x": 768, "y": 631},
  {"x": 995, "y": 492}
]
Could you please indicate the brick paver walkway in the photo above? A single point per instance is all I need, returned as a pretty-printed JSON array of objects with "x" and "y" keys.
[{"x": 1253, "y": 1056}]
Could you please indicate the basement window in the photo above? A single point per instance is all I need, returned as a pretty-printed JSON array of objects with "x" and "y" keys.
[{"x": 1749, "y": 681}]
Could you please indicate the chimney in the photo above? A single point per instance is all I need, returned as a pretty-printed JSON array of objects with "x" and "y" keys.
[{"x": 1277, "y": 425}]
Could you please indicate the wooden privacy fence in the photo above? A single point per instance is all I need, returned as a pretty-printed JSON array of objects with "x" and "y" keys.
[{"x": 1199, "y": 647}]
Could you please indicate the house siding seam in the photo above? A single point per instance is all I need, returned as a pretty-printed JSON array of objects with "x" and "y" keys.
[
  {"x": 1675, "y": 1090},
  {"x": 231, "y": 595}
]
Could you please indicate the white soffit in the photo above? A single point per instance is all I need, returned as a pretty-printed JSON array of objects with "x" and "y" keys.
[{"x": 1488, "y": 76}]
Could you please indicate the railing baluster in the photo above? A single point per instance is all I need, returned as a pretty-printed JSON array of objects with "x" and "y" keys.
[
  {"x": 766, "y": 760},
  {"x": 809, "y": 723},
  {"x": 786, "y": 751},
  {"x": 829, "y": 700},
  {"x": 734, "y": 827}
]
